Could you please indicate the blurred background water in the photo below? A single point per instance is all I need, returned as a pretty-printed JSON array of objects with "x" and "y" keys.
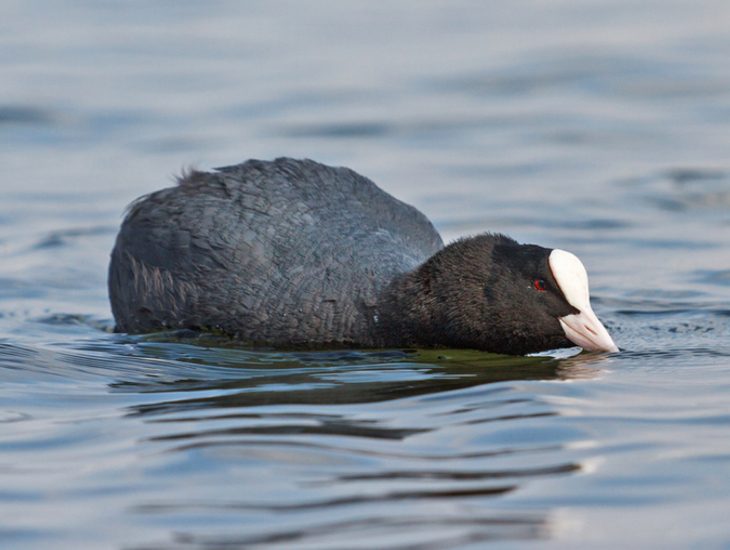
[{"x": 601, "y": 127}]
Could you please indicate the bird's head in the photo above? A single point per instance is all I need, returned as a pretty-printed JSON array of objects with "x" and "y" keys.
[{"x": 490, "y": 292}]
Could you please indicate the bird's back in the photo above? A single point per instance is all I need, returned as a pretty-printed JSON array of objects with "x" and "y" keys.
[{"x": 285, "y": 252}]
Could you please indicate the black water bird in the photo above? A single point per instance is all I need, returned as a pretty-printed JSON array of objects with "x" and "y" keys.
[{"x": 293, "y": 253}]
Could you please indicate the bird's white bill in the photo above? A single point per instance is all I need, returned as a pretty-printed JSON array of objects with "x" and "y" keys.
[
  {"x": 585, "y": 330},
  {"x": 582, "y": 328}
]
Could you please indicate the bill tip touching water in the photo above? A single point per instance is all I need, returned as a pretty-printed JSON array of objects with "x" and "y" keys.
[{"x": 294, "y": 253}]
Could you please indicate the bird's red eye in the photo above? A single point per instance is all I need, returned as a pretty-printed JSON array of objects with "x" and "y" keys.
[{"x": 539, "y": 285}]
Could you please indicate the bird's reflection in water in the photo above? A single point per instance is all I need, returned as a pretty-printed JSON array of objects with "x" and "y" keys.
[
  {"x": 223, "y": 378},
  {"x": 357, "y": 442}
]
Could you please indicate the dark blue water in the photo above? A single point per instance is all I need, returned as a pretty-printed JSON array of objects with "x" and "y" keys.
[{"x": 599, "y": 127}]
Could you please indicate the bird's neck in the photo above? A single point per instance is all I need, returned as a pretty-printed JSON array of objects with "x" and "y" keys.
[{"x": 404, "y": 313}]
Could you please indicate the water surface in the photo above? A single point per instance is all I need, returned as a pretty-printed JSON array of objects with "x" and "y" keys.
[{"x": 598, "y": 127}]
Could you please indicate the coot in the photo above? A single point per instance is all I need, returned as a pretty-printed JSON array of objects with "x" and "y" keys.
[{"x": 294, "y": 253}]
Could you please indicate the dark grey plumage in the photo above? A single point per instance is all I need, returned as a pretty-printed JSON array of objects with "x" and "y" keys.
[
  {"x": 294, "y": 253},
  {"x": 289, "y": 252}
]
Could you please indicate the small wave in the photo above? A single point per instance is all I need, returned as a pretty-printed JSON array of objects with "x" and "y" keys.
[
  {"x": 20, "y": 114},
  {"x": 713, "y": 277},
  {"x": 453, "y": 475},
  {"x": 64, "y": 237},
  {"x": 391, "y": 496},
  {"x": 428, "y": 532},
  {"x": 341, "y": 130}
]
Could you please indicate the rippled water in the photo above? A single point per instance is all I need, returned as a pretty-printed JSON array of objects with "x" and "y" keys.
[{"x": 599, "y": 127}]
